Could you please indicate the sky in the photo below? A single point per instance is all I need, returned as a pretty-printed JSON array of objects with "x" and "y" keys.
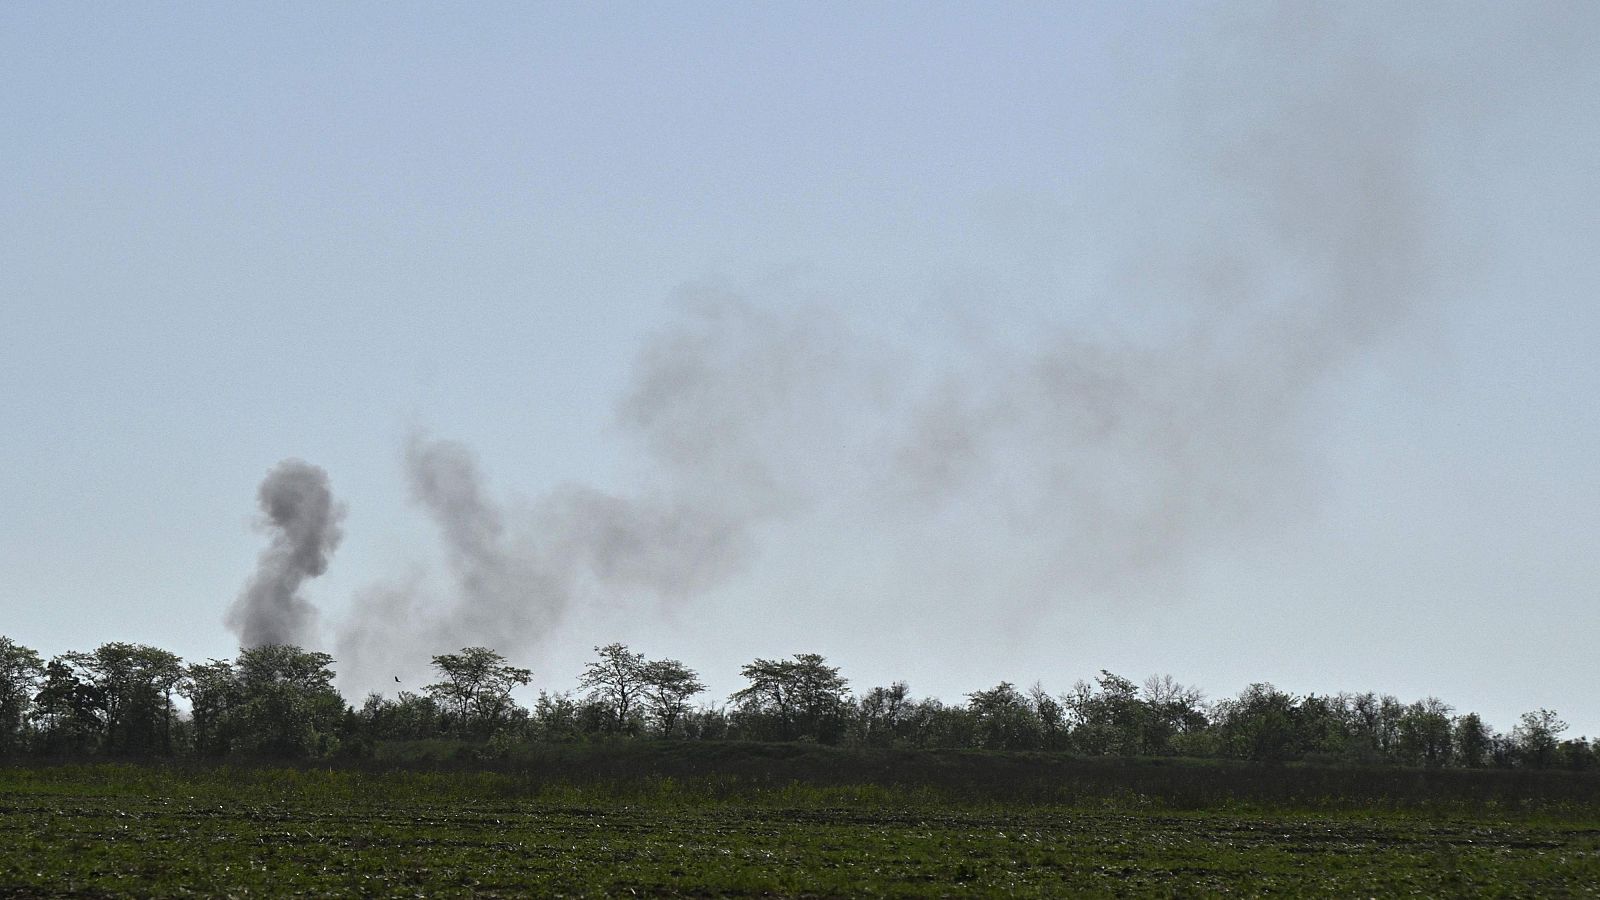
[{"x": 956, "y": 342}]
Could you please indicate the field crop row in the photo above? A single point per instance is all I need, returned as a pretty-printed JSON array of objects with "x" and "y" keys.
[{"x": 80, "y": 833}]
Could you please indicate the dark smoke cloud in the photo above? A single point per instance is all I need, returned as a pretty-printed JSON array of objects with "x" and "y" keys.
[{"x": 300, "y": 514}]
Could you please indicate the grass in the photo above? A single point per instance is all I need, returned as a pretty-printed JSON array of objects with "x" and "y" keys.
[{"x": 748, "y": 827}]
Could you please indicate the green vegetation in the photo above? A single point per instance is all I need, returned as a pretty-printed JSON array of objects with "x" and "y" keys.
[
  {"x": 277, "y": 702},
  {"x": 796, "y": 820},
  {"x": 798, "y": 786}
]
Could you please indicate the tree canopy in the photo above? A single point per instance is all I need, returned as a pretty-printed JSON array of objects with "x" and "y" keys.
[{"x": 280, "y": 701}]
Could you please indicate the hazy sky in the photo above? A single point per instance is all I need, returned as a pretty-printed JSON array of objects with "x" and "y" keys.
[{"x": 958, "y": 343}]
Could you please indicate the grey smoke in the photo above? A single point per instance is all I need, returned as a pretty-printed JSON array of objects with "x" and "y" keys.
[
  {"x": 1277, "y": 227},
  {"x": 1279, "y": 217},
  {"x": 300, "y": 514},
  {"x": 513, "y": 571}
]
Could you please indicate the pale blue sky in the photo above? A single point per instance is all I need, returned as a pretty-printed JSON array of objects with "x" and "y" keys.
[{"x": 228, "y": 237}]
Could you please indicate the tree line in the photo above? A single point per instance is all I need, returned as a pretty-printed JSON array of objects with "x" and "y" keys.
[{"x": 279, "y": 701}]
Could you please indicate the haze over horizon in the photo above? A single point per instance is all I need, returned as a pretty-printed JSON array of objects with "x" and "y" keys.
[{"x": 957, "y": 344}]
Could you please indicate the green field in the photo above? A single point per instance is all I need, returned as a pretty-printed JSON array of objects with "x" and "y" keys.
[{"x": 94, "y": 830}]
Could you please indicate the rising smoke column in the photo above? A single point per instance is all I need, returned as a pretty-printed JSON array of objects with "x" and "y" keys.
[
  {"x": 499, "y": 584},
  {"x": 299, "y": 512},
  {"x": 513, "y": 571}
]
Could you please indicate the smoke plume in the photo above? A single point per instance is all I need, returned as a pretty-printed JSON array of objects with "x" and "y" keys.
[
  {"x": 1276, "y": 218},
  {"x": 299, "y": 512},
  {"x": 513, "y": 572}
]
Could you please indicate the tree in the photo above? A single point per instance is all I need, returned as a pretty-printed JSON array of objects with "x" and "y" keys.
[
  {"x": 21, "y": 673},
  {"x": 1005, "y": 719},
  {"x": 275, "y": 700},
  {"x": 1107, "y": 717},
  {"x": 790, "y": 699},
  {"x": 408, "y": 716},
  {"x": 132, "y": 686},
  {"x": 476, "y": 688},
  {"x": 942, "y": 726},
  {"x": 1373, "y": 724},
  {"x": 615, "y": 681},
  {"x": 1322, "y": 726},
  {"x": 1537, "y": 737},
  {"x": 555, "y": 718},
  {"x": 67, "y": 709},
  {"x": 1473, "y": 741},
  {"x": 1052, "y": 717},
  {"x": 213, "y": 692},
  {"x": 666, "y": 686},
  {"x": 1260, "y": 724},
  {"x": 1425, "y": 733},
  {"x": 286, "y": 703},
  {"x": 1170, "y": 709},
  {"x": 881, "y": 714},
  {"x": 1577, "y": 753}
]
